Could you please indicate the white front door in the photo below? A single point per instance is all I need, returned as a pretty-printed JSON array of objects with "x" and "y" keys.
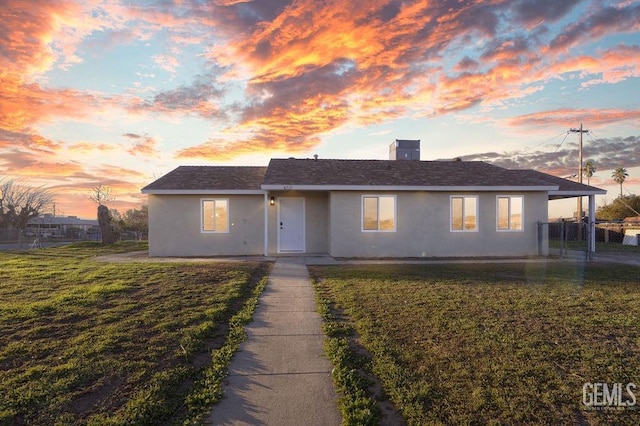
[{"x": 290, "y": 224}]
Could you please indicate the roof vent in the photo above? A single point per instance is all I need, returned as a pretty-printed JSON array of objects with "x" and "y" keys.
[
  {"x": 405, "y": 149},
  {"x": 457, "y": 159}
]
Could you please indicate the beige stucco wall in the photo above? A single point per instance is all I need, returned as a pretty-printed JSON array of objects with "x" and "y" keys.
[
  {"x": 333, "y": 225},
  {"x": 423, "y": 228},
  {"x": 174, "y": 227},
  {"x": 316, "y": 220}
]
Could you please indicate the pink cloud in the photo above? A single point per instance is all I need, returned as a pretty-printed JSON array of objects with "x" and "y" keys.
[{"x": 568, "y": 117}]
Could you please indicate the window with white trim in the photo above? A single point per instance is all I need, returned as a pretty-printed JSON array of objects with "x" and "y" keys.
[
  {"x": 509, "y": 216},
  {"x": 378, "y": 213},
  {"x": 464, "y": 213},
  {"x": 214, "y": 215}
]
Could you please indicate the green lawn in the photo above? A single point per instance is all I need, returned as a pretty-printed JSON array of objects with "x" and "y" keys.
[
  {"x": 501, "y": 344},
  {"x": 85, "y": 342}
]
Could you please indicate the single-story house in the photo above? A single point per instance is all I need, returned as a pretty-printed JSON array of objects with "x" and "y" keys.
[
  {"x": 51, "y": 226},
  {"x": 355, "y": 208}
]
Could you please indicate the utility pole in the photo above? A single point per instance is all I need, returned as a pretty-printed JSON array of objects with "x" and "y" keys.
[{"x": 579, "y": 204}]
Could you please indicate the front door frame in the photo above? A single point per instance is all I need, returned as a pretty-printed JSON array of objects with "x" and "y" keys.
[{"x": 303, "y": 248}]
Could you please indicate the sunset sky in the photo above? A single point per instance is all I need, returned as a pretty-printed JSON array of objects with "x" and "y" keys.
[{"x": 119, "y": 93}]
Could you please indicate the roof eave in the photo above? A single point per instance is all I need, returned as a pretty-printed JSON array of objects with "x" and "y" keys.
[
  {"x": 557, "y": 195},
  {"x": 435, "y": 188},
  {"x": 203, "y": 191}
]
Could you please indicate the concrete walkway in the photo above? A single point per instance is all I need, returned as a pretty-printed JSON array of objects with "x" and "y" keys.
[{"x": 280, "y": 375}]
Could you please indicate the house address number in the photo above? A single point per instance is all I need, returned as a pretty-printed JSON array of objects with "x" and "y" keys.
[{"x": 287, "y": 187}]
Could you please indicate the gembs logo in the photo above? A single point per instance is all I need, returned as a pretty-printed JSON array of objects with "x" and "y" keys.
[{"x": 612, "y": 396}]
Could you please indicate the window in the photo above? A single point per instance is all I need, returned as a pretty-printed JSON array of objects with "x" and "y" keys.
[
  {"x": 379, "y": 213},
  {"x": 215, "y": 215},
  {"x": 509, "y": 213},
  {"x": 464, "y": 213}
]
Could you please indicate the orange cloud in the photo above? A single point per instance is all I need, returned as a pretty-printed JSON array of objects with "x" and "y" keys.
[
  {"x": 23, "y": 105},
  {"x": 144, "y": 146},
  {"x": 87, "y": 147},
  {"x": 116, "y": 174},
  {"x": 28, "y": 140},
  {"x": 612, "y": 66},
  {"x": 379, "y": 61},
  {"x": 29, "y": 54},
  {"x": 35, "y": 165},
  {"x": 223, "y": 150}
]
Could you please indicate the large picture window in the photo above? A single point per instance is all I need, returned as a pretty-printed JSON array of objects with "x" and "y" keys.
[
  {"x": 509, "y": 213},
  {"x": 379, "y": 213},
  {"x": 215, "y": 215},
  {"x": 464, "y": 213}
]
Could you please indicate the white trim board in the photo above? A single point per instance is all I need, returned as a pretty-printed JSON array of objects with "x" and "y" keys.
[
  {"x": 203, "y": 191},
  {"x": 440, "y": 188}
]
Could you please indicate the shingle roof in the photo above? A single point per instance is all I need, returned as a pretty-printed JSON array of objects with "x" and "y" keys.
[
  {"x": 62, "y": 220},
  {"x": 306, "y": 172},
  {"x": 210, "y": 178},
  {"x": 327, "y": 173}
]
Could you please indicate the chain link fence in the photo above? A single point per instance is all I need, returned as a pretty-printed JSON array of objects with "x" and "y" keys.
[
  {"x": 566, "y": 237},
  {"x": 12, "y": 238}
]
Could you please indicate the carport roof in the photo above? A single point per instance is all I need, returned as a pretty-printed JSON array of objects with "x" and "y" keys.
[{"x": 566, "y": 188}]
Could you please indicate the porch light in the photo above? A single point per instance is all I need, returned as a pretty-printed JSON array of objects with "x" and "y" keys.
[{"x": 272, "y": 201}]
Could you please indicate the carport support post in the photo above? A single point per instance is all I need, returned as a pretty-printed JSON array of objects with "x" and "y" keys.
[
  {"x": 266, "y": 224},
  {"x": 592, "y": 224}
]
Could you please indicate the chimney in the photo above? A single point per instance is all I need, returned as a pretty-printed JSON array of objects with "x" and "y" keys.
[{"x": 405, "y": 149}]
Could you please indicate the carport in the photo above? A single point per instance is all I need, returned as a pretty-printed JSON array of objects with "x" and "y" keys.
[{"x": 570, "y": 189}]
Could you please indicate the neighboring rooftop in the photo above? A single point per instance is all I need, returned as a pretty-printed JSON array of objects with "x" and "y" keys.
[{"x": 49, "y": 219}]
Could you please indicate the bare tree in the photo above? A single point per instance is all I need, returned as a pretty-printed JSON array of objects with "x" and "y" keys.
[
  {"x": 21, "y": 203},
  {"x": 101, "y": 195}
]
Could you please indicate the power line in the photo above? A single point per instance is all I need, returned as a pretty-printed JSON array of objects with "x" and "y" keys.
[
  {"x": 563, "y": 139},
  {"x": 542, "y": 143}
]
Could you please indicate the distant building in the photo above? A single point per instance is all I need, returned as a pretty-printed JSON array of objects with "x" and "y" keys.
[{"x": 71, "y": 227}]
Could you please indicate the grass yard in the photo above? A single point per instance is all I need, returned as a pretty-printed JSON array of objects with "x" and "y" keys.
[
  {"x": 493, "y": 344},
  {"x": 85, "y": 342}
]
